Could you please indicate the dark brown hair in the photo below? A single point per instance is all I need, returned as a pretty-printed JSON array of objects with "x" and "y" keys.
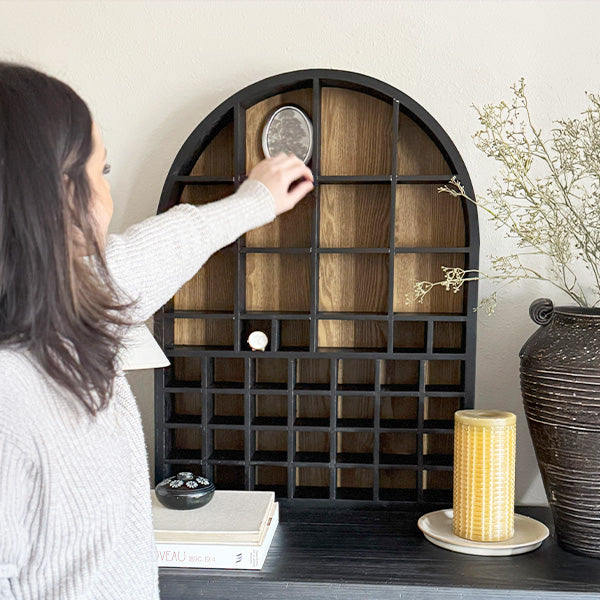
[{"x": 57, "y": 299}]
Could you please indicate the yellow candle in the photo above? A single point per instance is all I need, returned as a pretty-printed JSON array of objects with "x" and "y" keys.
[{"x": 484, "y": 474}]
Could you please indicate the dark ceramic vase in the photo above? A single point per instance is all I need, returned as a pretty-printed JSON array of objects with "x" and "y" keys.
[{"x": 560, "y": 384}]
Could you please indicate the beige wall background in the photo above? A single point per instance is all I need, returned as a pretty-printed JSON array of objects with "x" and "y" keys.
[{"x": 152, "y": 70}]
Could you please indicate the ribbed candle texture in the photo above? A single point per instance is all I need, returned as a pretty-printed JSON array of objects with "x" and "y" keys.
[{"x": 484, "y": 475}]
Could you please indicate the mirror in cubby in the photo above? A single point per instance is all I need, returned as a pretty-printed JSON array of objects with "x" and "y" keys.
[
  {"x": 353, "y": 283},
  {"x": 212, "y": 288},
  {"x": 351, "y": 333},
  {"x": 354, "y": 483},
  {"x": 228, "y": 409},
  {"x": 427, "y": 218},
  {"x": 311, "y": 482},
  {"x": 356, "y": 133},
  {"x": 216, "y": 160},
  {"x": 354, "y": 216},
  {"x": 278, "y": 282},
  {"x": 227, "y": 444},
  {"x": 261, "y": 325},
  {"x": 412, "y": 267},
  {"x": 397, "y": 484},
  {"x": 417, "y": 153},
  {"x": 258, "y": 115},
  {"x": 399, "y": 412},
  {"x": 271, "y": 478}
]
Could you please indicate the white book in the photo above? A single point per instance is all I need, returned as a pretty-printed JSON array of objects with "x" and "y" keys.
[
  {"x": 206, "y": 555},
  {"x": 231, "y": 516}
]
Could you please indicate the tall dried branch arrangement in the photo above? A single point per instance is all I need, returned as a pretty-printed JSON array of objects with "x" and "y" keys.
[{"x": 546, "y": 197}]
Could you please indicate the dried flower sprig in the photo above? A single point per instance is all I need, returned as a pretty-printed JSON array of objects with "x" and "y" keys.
[{"x": 546, "y": 197}]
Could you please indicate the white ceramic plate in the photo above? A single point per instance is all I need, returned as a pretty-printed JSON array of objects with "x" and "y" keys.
[{"x": 437, "y": 527}]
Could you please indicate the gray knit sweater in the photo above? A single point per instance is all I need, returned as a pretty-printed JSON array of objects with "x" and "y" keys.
[{"x": 75, "y": 519}]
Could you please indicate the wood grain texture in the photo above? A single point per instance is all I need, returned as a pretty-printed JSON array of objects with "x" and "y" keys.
[
  {"x": 295, "y": 334},
  {"x": 409, "y": 335},
  {"x": 258, "y": 115},
  {"x": 400, "y": 372},
  {"x": 312, "y": 477},
  {"x": 426, "y": 218},
  {"x": 228, "y": 405},
  {"x": 355, "y": 133},
  {"x": 440, "y": 409},
  {"x": 217, "y": 157},
  {"x": 278, "y": 282},
  {"x": 355, "y": 216},
  {"x": 228, "y": 370},
  {"x": 187, "y": 368},
  {"x": 187, "y": 404},
  {"x": 199, "y": 194},
  {"x": 204, "y": 332},
  {"x": 396, "y": 408},
  {"x": 417, "y": 154},
  {"x": 410, "y": 268},
  {"x": 437, "y": 480},
  {"x": 443, "y": 372},
  {"x": 353, "y": 282},
  {"x": 352, "y": 334},
  {"x": 448, "y": 336}
]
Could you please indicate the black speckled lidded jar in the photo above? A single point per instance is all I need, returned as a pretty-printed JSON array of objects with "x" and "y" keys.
[{"x": 560, "y": 384}]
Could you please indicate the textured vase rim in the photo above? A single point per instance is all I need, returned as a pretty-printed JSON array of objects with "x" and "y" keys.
[{"x": 578, "y": 311}]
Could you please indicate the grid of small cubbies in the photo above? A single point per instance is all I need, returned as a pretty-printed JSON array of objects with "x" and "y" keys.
[{"x": 353, "y": 398}]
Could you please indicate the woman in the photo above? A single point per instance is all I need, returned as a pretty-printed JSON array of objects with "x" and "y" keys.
[{"x": 75, "y": 520}]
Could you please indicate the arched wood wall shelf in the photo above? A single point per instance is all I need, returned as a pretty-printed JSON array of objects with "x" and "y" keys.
[{"x": 353, "y": 399}]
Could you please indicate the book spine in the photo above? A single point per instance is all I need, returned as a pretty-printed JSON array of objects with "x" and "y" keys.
[{"x": 217, "y": 556}]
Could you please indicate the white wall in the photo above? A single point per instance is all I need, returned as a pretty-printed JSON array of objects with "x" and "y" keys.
[{"x": 152, "y": 70}]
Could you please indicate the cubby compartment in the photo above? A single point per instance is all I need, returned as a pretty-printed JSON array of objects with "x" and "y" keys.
[
  {"x": 294, "y": 335},
  {"x": 410, "y": 336},
  {"x": 212, "y": 287},
  {"x": 204, "y": 332},
  {"x": 354, "y": 216},
  {"x": 228, "y": 409},
  {"x": 366, "y": 335},
  {"x": 354, "y": 483},
  {"x": 278, "y": 282},
  {"x": 312, "y": 411},
  {"x": 410, "y": 268},
  {"x": 270, "y": 410},
  {"x": 311, "y": 446},
  {"x": 216, "y": 159},
  {"x": 400, "y": 375},
  {"x": 230, "y": 477},
  {"x": 356, "y": 130},
  {"x": 399, "y": 412},
  {"x": 271, "y": 478},
  {"x": 355, "y": 411},
  {"x": 292, "y": 229},
  {"x": 397, "y": 448},
  {"x": 270, "y": 445},
  {"x": 258, "y": 114},
  {"x": 449, "y": 336},
  {"x": 352, "y": 399},
  {"x": 355, "y": 283},
  {"x": 183, "y": 408},
  {"x": 444, "y": 375},
  {"x": 355, "y": 446},
  {"x": 313, "y": 374},
  {"x": 184, "y": 443},
  {"x": 417, "y": 153},
  {"x": 437, "y": 486},
  {"x": 438, "y": 412},
  {"x": 204, "y": 193},
  {"x": 311, "y": 482},
  {"x": 420, "y": 209},
  {"x": 396, "y": 484},
  {"x": 227, "y": 373},
  {"x": 270, "y": 373},
  {"x": 227, "y": 444},
  {"x": 438, "y": 449}
]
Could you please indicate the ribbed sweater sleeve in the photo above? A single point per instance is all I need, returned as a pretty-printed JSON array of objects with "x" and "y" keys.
[
  {"x": 17, "y": 485},
  {"x": 150, "y": 261}
]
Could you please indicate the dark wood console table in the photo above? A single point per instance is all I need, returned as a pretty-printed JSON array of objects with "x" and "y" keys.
[{"x": 374, "y": 554}]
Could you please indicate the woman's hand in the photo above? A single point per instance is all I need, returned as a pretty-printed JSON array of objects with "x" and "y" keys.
[{"x": 278, "y": 173}]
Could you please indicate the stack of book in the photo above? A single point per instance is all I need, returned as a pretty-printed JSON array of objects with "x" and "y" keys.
[{"x": 233, "y": 531}]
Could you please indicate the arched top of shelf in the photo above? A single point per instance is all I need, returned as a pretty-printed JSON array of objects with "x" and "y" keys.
[{"x": 236, "y": 105}]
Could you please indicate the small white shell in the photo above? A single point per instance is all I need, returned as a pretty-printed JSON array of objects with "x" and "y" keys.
[{"x": 258, "y": 340}]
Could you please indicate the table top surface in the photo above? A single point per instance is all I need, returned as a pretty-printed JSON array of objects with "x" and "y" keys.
[{"x": 375, "y": 553}]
